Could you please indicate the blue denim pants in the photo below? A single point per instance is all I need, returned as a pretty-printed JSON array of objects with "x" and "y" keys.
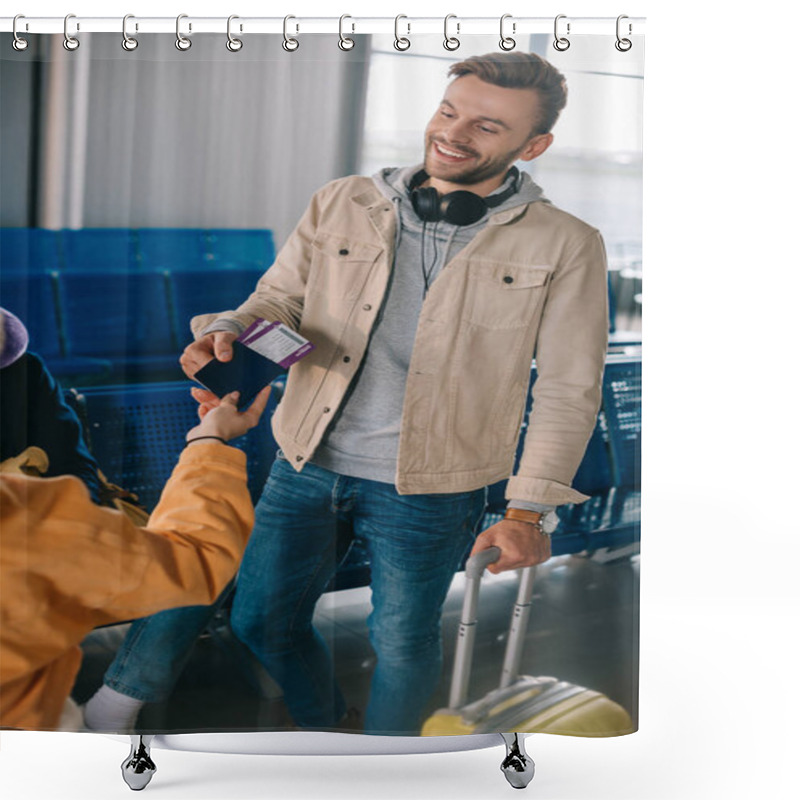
[
  {"x": 155, "y": 650},
  {"x": 415, "y": 544}
]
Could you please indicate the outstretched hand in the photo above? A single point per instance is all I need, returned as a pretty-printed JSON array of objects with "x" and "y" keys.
[
  {"x": 221, "y": 417},
  {"x": 206, "y": 400}
]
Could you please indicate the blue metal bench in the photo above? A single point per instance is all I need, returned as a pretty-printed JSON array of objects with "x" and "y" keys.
[
  {"x": 28, "y": 250},
  {"x": 112, "y": 305},
  {"x": 172, "y": 248},
  {"x": 609, "y": 472},
  {"x": 34, "y": 299},
  {"x": 206, "y": 292},
  {"x": 137, "y": 432},
  {"x": 240, "y": 247},
  {"x": 99, "y": 249},
  {"x": 123, "y": 317}
]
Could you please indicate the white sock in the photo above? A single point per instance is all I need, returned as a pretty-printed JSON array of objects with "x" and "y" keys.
[{"x": 110, "y": 711}]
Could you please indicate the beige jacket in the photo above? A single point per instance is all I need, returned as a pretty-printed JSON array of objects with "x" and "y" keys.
[{"x": 533, "y": 281}]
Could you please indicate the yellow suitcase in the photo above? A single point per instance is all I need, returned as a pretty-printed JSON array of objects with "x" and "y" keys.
[{"x": 522, "y": 703}]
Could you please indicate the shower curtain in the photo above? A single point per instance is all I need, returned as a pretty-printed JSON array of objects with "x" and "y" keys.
[{"x": 464, "y": 363}]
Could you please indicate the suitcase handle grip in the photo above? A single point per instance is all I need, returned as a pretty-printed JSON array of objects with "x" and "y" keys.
[{"x": 477, "y": 564}]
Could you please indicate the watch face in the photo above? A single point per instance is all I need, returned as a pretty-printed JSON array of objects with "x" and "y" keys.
[{"x": 550, "y": 522}]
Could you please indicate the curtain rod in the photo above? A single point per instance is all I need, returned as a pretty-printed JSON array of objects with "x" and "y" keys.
[{"x": 347, "y": 25}]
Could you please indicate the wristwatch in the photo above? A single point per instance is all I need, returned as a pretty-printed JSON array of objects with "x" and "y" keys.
[{"x": 546, "y": 523}]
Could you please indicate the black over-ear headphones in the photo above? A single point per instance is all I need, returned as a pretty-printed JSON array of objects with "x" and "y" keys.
[{"x": 457, "y": 208}]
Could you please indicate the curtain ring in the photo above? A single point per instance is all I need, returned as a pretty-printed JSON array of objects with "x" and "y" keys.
[
  {"x": 506, "y": 42},
  {"x": 233, "y": 44},
  {"x": 128, "y": 42},
  {"x": 70, "y": 42},
  {"x": 401, "y": 43},
  {"x": 289, "y": 43},
  {"x": 345, "y": 42},
  {"x": 451, "y": 42},
  {"x": 181, "y": 42},
  {"x": 623, "y": 45},
  {"x": 19, "y": 44},
  {"x": 561, "y": 43}
]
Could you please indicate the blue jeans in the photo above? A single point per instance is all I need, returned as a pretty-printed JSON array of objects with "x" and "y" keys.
[
  {"x": 156, "y": 649},
  {"x": 415, "y": 544}
]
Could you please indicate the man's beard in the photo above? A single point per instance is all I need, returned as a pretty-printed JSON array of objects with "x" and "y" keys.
[{"x": 472, "y": 175}]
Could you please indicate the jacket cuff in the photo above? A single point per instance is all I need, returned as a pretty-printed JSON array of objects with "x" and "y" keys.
[
  {"x": 529, "y": 505},
  {"x": 214, "y": 452},
  {"x": 208, "y": 323},
  {"x": 541, "y": 490}
]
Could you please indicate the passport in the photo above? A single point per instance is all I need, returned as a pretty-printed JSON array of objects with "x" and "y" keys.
[{"x": 251, "y": 368}]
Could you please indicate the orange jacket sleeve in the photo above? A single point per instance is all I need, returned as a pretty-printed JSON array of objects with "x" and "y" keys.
[{"x": 69, "y": 566}]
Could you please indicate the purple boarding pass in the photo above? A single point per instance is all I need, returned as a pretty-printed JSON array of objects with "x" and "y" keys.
[
  {"x": 255, "y": 329},
  {"x": 277, "y": 342}
]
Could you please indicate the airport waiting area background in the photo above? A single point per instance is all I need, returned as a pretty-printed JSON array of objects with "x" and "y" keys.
[{"x": 106, "y": 283}]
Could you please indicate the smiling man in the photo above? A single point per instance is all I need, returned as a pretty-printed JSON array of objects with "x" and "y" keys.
[
  {"x": 481, "y": 129},
  {"x": 426, "y": 290}
]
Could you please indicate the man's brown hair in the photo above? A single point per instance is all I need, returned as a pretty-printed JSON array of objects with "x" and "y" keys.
[{"x": 520, "y": 71}]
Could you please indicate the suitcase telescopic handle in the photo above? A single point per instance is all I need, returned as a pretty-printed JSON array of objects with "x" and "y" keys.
[
  {"x": 465, "y": 642},
  {"x": 477, "y": 564}
]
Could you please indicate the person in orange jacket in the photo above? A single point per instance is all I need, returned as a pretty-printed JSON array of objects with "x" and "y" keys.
[{"x": 68, "y": 565}]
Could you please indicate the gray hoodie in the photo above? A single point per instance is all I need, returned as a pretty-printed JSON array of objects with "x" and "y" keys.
[{"x": 362, "y": 441}]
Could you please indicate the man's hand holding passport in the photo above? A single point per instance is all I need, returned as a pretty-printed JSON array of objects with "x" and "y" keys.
[{"x": 261, "y": 353}]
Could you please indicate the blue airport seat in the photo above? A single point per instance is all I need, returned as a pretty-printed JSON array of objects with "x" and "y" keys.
[
  {"x": 123, "y": 317},
  {"x": 231, "y": 248},
  {"x": 28, "y": 250},
  {"x": 137, "y": 432},
  {"x": 172, "y": 248},
  {"x": 31, "y": 297},
  {"x": 99, "y": 250},
  {"x": 622, "y": 403},
  {"x": 594, "y": 472},
  {"x": 612, "y": 306},
  {"x": 207, "y": 292},
  {"x": 609, "y": 472}
]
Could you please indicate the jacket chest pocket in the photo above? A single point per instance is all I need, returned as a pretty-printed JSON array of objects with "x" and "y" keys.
[
  {"x": 502, "y": 296},
  {"x": 340, "y": 266}
]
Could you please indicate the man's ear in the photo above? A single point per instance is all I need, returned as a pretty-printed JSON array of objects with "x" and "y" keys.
[{"x": 536, "y": 146}]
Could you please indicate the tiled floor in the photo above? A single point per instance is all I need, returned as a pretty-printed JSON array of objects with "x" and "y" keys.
[{"x": 583, "y": 629}]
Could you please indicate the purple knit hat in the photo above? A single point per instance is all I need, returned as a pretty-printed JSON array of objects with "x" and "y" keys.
[{"x": 13, "y": 338}]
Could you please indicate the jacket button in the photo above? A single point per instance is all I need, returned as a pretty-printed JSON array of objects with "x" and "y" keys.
[
  {"x": 508, "y": 279},
  {"x": 367, "y": 307},
  {"x": 299, "y": 458},
  {"x": 346, "y": 359},
  {"x": 326, "y": 410},
  {"x": 344, "y": 251}
]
